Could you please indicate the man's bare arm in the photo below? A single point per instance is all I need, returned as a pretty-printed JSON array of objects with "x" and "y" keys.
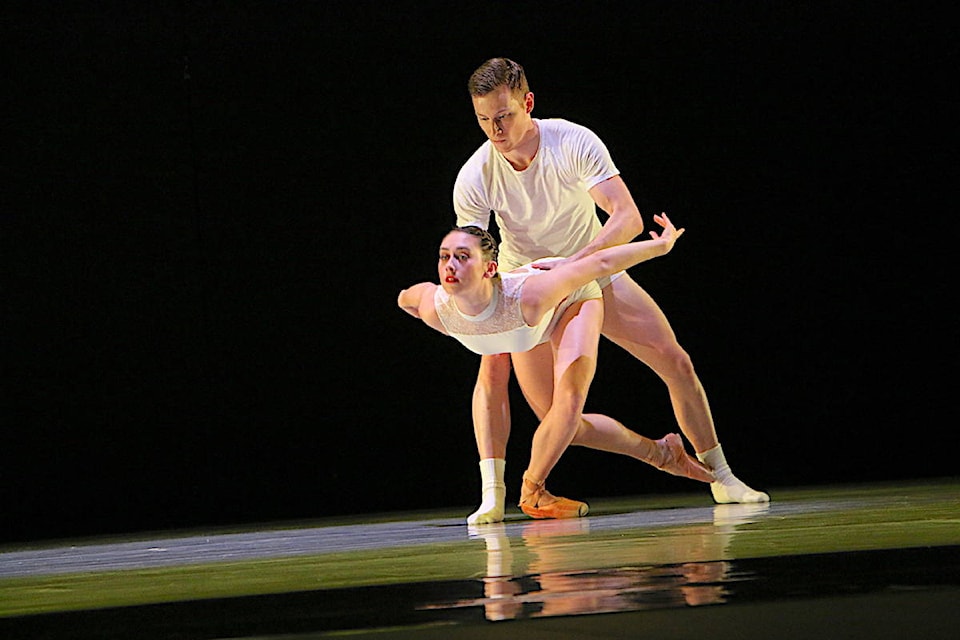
[{"x": 624, "y": 223}]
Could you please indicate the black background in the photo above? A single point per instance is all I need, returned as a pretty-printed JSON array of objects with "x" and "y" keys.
[{"x": 208, "y": 209}]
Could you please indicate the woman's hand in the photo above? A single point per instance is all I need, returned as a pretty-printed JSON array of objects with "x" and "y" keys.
[{"x": 669, "y": 234}]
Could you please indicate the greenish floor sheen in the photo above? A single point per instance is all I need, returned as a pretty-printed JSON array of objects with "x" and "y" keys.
[{"x": 797, "y": 522}]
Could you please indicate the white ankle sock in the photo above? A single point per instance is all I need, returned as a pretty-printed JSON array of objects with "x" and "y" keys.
[
  {"x": 728, "y": 488},
  {"x": 493, "y": 492}
]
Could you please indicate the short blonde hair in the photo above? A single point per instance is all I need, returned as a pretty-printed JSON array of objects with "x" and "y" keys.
[{"x": 498, "y": 72}]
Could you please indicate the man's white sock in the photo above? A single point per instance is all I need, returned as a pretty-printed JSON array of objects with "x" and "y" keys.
[
  {"x": 728, "y": 488},
  {"x": 493, "y": 492}
]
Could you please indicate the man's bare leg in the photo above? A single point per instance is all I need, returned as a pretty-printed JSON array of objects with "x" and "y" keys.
[
  {"x": 633, "y": 321},
  {"x": 491, "y": 427}
]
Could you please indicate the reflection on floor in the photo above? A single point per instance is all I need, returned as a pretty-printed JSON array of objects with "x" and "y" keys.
[
  {"x": 546, "y": 588},
  {"x": 871, "y": 555}
]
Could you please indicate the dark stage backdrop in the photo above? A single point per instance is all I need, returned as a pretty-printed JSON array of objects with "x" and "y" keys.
[{"x": 208, "y": 209}]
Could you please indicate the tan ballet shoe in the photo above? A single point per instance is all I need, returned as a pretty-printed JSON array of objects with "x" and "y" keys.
[
  {"x": 676, "y": 461},
  {"x": 539, "y": 503}
]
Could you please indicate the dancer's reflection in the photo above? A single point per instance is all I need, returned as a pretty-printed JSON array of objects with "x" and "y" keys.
[
  {"x": 554, "y": 568},
  {"x": 499, "y": 587},
  {"x": 652, "y": 578}
]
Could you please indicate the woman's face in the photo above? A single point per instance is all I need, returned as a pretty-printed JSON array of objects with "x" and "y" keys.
[{"x": 461, "y": 266}]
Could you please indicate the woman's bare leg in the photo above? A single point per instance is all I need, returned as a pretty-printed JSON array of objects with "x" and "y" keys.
[{"x": 574, "y": 349}]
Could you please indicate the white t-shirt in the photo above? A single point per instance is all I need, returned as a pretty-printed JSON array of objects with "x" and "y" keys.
[
  {"x": 500, "y": 328},
  {"x": 545, "y": 209}
]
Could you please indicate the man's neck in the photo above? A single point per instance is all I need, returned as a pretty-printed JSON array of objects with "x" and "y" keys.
[{"x": 522, "y": 156}]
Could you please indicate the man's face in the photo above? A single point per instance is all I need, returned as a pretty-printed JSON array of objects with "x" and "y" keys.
[{"x": 504, "y": 118}]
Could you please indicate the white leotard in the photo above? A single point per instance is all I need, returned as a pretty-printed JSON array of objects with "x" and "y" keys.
[{"x": 500, "y": 327}]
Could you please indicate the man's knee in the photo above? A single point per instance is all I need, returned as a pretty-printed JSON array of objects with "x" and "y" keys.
[{"x": 680, "y": 363}]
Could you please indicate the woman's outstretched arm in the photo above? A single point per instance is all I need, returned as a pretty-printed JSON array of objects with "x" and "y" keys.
[{"x": 546, "y": 291}]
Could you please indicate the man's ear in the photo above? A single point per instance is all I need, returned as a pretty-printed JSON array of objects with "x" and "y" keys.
[{"x": 528, "y": 101}]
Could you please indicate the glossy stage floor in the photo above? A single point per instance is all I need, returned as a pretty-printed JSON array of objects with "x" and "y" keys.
[{"x": 853, "y": 561}]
